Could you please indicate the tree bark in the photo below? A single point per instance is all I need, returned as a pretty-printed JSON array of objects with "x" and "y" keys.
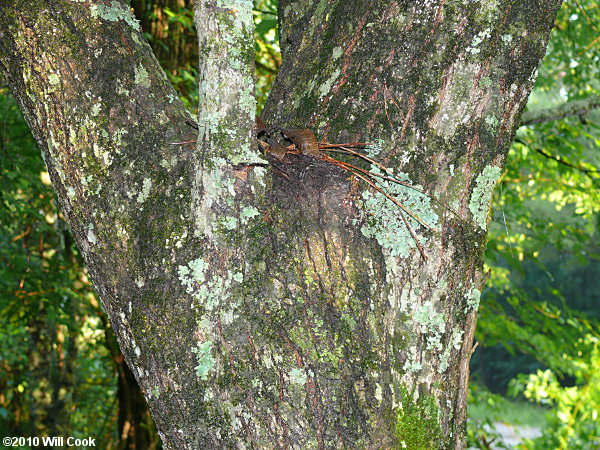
[{"x": 284, "y": 311}]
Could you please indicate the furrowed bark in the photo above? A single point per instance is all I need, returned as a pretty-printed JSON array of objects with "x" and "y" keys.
[
  {"x": 270, "y": 311},
  {"x": 438, "y": 87},
  {"x": 293, "y": 16}
]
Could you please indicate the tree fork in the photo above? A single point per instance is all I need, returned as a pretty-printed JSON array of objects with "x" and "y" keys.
[{"x": 262, "y": 311}]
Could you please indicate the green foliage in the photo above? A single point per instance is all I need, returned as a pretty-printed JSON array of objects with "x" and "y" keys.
[
  {"x": 56, "y": 374},
  {"x": 573, "y": 421},
  {"x": 481, "y": 432},
  {"x": 487, "y": 410},
  {"x": 268, "y": 55},
  {"x": 572, "y": 57},
  {"x": 169, "y": 28},
  {"x": 184, "y": 76},
  {"x": 521, "y": 412}
]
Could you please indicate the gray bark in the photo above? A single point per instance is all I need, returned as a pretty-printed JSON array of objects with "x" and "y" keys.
[{"x": 269, "y": 311}]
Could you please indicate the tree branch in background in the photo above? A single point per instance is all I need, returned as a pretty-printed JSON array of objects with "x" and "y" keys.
[
  {"x": 264, "y": 11},
  {"x": 588, "y": 172},
  {"x": 577, "y": 107},
  {"x": 265, "y": 68}
]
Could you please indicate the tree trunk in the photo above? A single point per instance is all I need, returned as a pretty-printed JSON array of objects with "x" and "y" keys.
[{"x": 292, "y": 307}]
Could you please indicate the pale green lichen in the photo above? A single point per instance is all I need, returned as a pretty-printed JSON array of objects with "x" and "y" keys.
[
  {"x": 472, "y": 297},
  {"x": 141, "y": 76},
  {"x": 121, "y": 90},
  {"x": 53, "y": 79},
  {"x": 136, "y": 39},
  {"x": 146, "y": 186},
  {"x": 432, "y": 323},
  {"x": 238, "y": 277},
  {"x": 95, "y": 110},
  {"x": 206, "y": 362},
  {"x": 477, "y": 40},
  {"x": 113, "y": 13},
  {"x": 248, "y": 213},
  {"x": 485, "y": 82},
  {"x": 297, "y": 376},
  {"x": 385, "y": 223},
  {"x": 105, "y": 156},
  {"x": 91, "y": 237},
  {"x": 325, "y": 87},
  {"x": 337, "y": 52},
  {"x": 412, "y": 366},
  {"x": 492, "y": 121},
  {"x": 118, "y": 136},
  {"x": 375, "y": 148},
  {"x": 228, "y": 222},
  {"x": 454, "y": 343},
  {"x": 231, "y": 223},
  {"x": 169, "y": 163},
  {"x": 192, "y": 273},
  {"x": 378, "y": 393},
  {"x": 215, "y": 192},
  {"x": 247, "y": 100},
  {"x": 317, "y": 17},
  {"x": 481, "y": 198},
  {"x": 208, "y": 292}
]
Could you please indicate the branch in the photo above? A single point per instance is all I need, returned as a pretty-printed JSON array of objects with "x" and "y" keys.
[
  {"x": 266, "y": 68},
  {"x": 263, "y": 11},
  {"x": 586, "y": 172},
  {"x": 226, "y": 106},
  {"x": 576, "y": 107}
]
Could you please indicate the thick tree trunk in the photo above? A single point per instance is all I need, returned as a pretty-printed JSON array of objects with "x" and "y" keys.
[{"x": 269, "y": 311}]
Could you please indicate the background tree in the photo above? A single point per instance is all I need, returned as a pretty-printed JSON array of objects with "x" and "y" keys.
[{"x": 312, "y": 304}]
